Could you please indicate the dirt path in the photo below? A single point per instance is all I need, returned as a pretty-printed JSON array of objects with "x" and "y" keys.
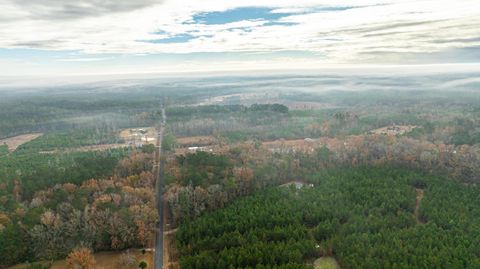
[
  {"x": 417, "y": 205},
  {"x": 170, "y": 258}
]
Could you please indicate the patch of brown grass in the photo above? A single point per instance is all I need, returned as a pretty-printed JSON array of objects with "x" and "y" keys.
[
  {"x": 14, "y": 142},
  {"x": 196, "y": 140}
]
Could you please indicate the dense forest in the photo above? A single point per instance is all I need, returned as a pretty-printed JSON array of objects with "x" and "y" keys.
[
  {"x": 364, "y": 217},
  {"x": 47, "y": 219}
]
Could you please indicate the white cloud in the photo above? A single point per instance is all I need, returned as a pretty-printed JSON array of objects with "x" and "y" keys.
[
  {"x": 88, "y": 59},
  {"x": 360, "y": 34}
]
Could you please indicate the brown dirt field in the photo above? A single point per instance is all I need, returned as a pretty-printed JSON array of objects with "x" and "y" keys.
[
  {"x": 14, "y": 142},
  {"x": 394, "y": 130},
  {"x": 196, "y": 140},
  {"x": 133, "y": 135},
  {"x": 297, "y": 145},
  {"x": 105, "y": 260}
]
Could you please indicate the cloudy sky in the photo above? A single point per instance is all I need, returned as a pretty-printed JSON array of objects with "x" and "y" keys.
[{"x": 45, "y": 37}]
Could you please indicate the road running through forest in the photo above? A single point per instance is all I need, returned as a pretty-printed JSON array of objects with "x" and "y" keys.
[{"x": 159, "y": 186}]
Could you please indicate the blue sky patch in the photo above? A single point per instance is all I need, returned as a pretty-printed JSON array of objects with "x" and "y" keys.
[
  {"x": 174, "y": 39},
  {"x": 256, "y": 13},
  {"x": 238, "y": 14}
]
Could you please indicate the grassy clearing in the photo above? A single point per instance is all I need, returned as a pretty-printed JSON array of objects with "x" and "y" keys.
[{"x": 326, "y": 263}]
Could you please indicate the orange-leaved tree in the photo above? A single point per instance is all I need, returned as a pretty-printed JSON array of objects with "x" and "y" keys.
[{"x": 81, "y": 258}]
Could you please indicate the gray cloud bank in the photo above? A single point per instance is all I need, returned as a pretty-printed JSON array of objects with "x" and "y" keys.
[{"x": 74, "y": 9}]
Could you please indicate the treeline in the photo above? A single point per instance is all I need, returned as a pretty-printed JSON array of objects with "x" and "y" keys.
[
  {"x": 187, "y": 111},
  {"x": 114, "y": 213},
  {"x": 364, "y": 217}
]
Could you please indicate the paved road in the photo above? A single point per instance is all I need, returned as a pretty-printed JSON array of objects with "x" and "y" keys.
[{"x": 158, "y": 172}]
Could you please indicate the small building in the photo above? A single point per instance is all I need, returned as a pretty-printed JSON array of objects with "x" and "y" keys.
[
  {"x": 196, "y": 149},
  {"x": 298, "y": 185}
]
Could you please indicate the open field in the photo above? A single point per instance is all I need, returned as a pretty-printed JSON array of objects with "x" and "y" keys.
[
  {"x": 14, "y": 142},
  {"x": 139, "y": 136},
  {"x": 196, "y": 141},
  {"x": 326, "y": 263},
  {"x": 104, "y": 260},
  {"x": 101, "y": 147},
  {"x": 305, "y": 145},
  {"x": 393, "y": 130},
  {"x": 192, "y": 144}
]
